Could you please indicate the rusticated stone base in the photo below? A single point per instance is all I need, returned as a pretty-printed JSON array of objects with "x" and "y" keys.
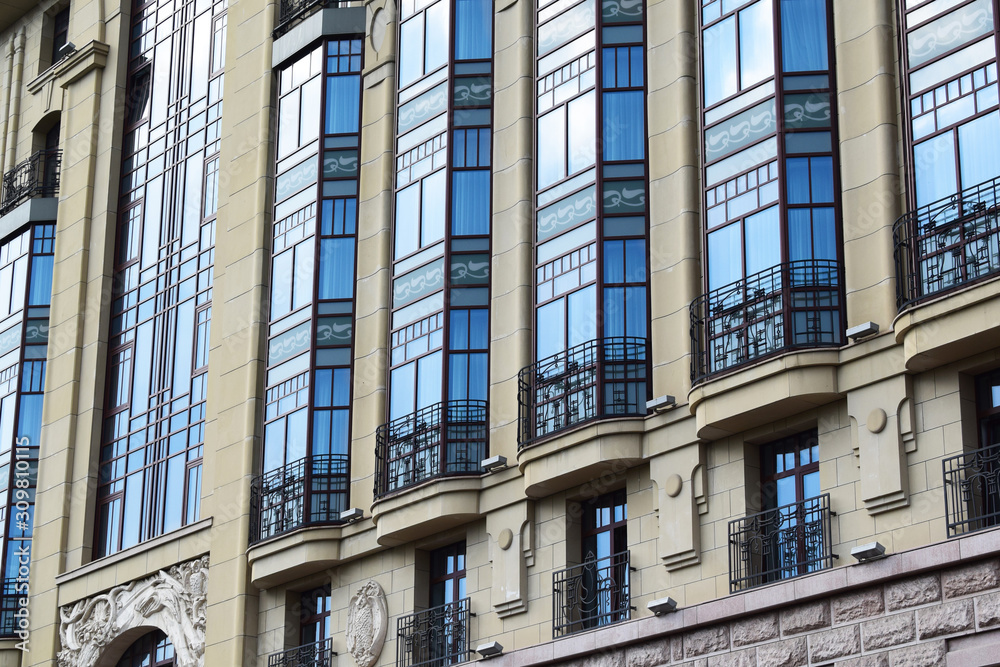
[{"x": 923, "y": 608}]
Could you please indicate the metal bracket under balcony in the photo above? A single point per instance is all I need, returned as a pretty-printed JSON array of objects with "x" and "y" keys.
[
  {"x": 599, "y": 379},
  {"x": 947, "y": 244},
  {"x": 38, "y": 176},
  {"x": 972, "y": 490},
  {"x": 438, "y": 636},
  {"x": 780, "y": 543},
  {"x": 443, "y": 440},
  {"x": 789, "y": 306},
  {"x": 318, "y": 654},
  {"x": 310, "y": 491},
  {"x": 591, "y": 595}
]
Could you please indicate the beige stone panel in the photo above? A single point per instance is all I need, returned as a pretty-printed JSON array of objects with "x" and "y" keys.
[
  {"x": 866, "y": 158},
  {"x": 671, "y": 39},
  {"x": 875, "y": 410},
  {"x": 790, "y": 384}
]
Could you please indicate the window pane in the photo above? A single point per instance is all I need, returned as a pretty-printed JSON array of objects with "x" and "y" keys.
[
  {"x": 411, "y": 50},
  {"x": 763, "y": 239},
  {"x": 401, "y": 395},
  {"x": 551, "y": 329},
  {"x": 552, "y": 155},
  {"x": 804, "y": 35},
  {"x": 407, "y": 229},
  {"x": 429, "y": 380},
  {"x": 978, "y": 154},
  {"x": 582, "y": 132},
  {"x": 624, "y": 126},
  {"x": 473, "y": 29},
  {"x": 470, "y": 200},
  {"x": 720, "y": 61},
  {"x": 581, "y": 319},
  {"x": 336, "y": 264},
  {"x": 934, "y": 167},
  {"x": 432, "y": 208},
  {"x": 436, "y": 46},
  {"x": 724, "y": 254},
  {"x": 343, "y": 99},
  {"x": 756, "y": 43}
]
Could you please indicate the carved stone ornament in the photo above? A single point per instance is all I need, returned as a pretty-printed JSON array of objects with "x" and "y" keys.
[
  {"x": 174, "y": 601},
  {"x": 367, "y": 620}
]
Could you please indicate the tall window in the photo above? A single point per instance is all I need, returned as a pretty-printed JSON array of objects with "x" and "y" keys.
[
  {"x": 441, "y": 228},
  {"x": 771, "y": 178},
  {"x": 447, "y": 588},
  {"x": 310, "y": 348},
  {"x": 60, "y": 34},
  {"x": 25, "y": 294},
  {"x": 314, "y": 619},
  {"x": 149, "y": 481}
]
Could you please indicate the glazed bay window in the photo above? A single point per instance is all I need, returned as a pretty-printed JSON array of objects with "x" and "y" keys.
[
  {"x": 439, "y": 356},
  {"x": 595, "y": 592},
  {"x": 792, "y": 535},
  {"x": 591, "y": 230},
  {"x": 972, "y": 478},
  {"x": 772, "y": 231},
  {"x": 307, "y": 418},
  {"x": 951, "y": 235},
  {"x": 149, "y": 481}
]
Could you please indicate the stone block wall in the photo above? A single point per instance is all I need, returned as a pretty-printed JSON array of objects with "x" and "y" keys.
[{"x": 909, "y": 622}]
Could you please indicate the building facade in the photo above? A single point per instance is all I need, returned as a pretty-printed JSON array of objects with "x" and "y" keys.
[{"x": 624, "y": 332}]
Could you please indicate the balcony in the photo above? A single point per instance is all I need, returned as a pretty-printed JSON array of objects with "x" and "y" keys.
[
  {"x": 781, "y": 543},
  {"x": 948, "y": 244},
  {"x": 435, "y": 637},
  {"x": 972, "y": 490},
  {"x": 310, "y": 491},
  {"x": 318, "y": 654},
  {"x": 599, "y": 379},
  {"x": 797, "y": 305},
  {"x": 291, "y": 12},
  {"x": 591, "y": 595},
  {"x": 444, "y": 440},
  {"x": 38, "y": 176}
]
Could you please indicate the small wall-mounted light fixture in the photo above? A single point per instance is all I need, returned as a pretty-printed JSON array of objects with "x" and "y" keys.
[
  {"x": 65, "y": 50},
  {"x": 662, "y": 606},
  {"x": 868, "y": 552},
  {"x": 862, "y": 331},
  {"x": 494, "y": 463},
  {"x": 352, "y": 515},
  {"x": 661, "y": 403},
  {"x": 490, "y": 650}
]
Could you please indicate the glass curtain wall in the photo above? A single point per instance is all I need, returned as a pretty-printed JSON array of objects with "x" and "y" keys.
[
  {"x": 311, "y": 325},
  {"x": 25, "y": 294},
  {"x": 591, "y": 226},
  {"x": 441, "y": 242},
  {"x": 771, "y": 177},
  {"x": 154, "y": 428},
  {"x": 951, "y": 235}
]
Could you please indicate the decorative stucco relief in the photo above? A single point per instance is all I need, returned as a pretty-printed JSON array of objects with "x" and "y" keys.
[
  {"x": 173, "y": 601},
  {"x": 367, "y": 620}
]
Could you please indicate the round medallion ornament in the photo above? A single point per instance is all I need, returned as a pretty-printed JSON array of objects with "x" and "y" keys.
[
  {"x": 505, "y": 538},
  {"x": 877, "y": 420},
  {"x": 367, "y": 620},
  {"x": 673, "y": 485}
]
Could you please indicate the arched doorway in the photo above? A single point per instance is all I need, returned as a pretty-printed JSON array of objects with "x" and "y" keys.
[{"x": 151, "y": 650}]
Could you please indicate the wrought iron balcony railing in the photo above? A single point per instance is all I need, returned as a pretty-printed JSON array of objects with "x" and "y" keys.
[
  {"x": 596, "y": 380},
  {"x": 310, "y": 491},
  {"x": 435, "y": 637},
  {"x": 443, "y": 440},
  {"x": 591, "y": 595},
  {"x": 972, "y": 490},
  {"x": 38, "y": 176},
  {"x": 318, "y": 654},
  {"x": 780, "y": 543},
  {"x": 793, "y": 305},
  {"x": 947, "y": 244}
]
